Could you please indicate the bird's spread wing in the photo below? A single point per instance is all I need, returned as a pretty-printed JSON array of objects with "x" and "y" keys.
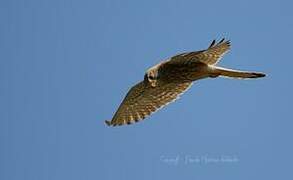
[
  {"x": 143, "y": 100},
  {"x": 209, "y": 56}
]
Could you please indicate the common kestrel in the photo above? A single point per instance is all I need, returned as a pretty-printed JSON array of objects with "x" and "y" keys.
[{"x": 166, "y": 81}]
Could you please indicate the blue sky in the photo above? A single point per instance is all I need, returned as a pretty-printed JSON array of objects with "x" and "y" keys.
[{"x": 66, "y": 66}]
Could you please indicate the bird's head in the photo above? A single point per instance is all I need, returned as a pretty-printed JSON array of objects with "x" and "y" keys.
[{"x": 151, "y": 77}]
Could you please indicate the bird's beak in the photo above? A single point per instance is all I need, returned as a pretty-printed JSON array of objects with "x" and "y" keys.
[{"x": 153, "y": 83}]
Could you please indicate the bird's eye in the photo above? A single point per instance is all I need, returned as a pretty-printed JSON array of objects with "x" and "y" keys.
[{"x": 151, "y": 77}]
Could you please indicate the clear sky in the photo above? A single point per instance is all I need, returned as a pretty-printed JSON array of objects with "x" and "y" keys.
[{"x": 66, "y": 66}]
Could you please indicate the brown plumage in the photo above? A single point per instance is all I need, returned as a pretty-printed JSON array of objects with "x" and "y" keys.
[{"x": 164, "y": 82}]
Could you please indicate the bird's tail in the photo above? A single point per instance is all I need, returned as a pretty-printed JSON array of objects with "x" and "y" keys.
[{"x": 219, "y": 71}]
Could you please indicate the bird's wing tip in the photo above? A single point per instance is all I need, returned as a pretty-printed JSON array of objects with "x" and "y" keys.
[
  {"x": 222, "y": 41},
  {"x": 108, "y": 123}
]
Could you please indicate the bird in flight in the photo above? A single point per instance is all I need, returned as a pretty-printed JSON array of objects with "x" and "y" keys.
[{"x": 166, "y": 81}]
